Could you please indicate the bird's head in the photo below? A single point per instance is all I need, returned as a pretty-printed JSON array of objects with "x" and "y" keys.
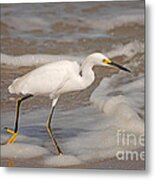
[{"x": 102, "y": 60}]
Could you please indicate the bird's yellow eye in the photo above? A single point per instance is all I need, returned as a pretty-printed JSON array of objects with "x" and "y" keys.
[{"x": 107, "y": 61}]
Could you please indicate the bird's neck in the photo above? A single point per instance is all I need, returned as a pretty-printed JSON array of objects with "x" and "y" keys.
[{"x": 87, "y": 74}]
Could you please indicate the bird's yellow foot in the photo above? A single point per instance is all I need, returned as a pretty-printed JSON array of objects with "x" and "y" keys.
[{"x": 12, "y": 139}]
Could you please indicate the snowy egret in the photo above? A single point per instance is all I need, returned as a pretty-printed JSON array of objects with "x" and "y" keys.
[{"x": 54, "y": 79}]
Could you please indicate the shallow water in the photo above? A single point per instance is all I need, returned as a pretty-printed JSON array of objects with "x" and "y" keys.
[
  {"x": 86, "y": 123},
  {"x": 69, "y": 28}
]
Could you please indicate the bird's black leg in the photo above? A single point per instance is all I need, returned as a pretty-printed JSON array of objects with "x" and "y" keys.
[
  {"x": 48, "y": 126},
  {"x": 15, "y": 132},
  {"x": 18, "y": 103}
]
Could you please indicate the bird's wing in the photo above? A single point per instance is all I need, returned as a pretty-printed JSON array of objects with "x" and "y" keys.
[{"x": 46, "y": 79}]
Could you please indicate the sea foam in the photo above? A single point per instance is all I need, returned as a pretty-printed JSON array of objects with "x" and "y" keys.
[
  {"x": 129, "y": 50},
  {"x": 24, "y": 151}
]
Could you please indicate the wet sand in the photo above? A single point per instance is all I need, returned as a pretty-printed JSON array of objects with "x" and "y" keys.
[{"x": 111, "y": 164}]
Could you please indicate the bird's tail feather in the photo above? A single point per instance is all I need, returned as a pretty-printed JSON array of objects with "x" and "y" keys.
[{"x": 12, "y": 88}]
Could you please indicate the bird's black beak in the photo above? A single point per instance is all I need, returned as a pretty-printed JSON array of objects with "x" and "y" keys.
[
  {"x": 119, "y": 66},
  {"x": 110, "y": 62}
]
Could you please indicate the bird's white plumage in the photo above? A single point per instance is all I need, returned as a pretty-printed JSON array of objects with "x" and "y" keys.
[
  {"x": 54, "y": 79},
  {"x": 46, "y": 79}
]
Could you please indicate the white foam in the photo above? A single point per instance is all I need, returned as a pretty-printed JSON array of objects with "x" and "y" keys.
[
  {"x": 61, "y": 161},
  {"x": 34, "y": 59},
  {"x": 24, "y": 151},
  {"x": 21, "y": 138},
  {"x": 125, "y": 116},
  {"x": 84, "y": 134},
  {"x": 128, "y": 50},
  {"x": 122, "y": 101}
]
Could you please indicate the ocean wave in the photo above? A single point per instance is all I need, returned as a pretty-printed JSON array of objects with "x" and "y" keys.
[
  {"x": 35, "y": 28},
  {"x": 110, "y": 23},
  {"x": 129, "y": 50},
  {"x": 121, "y": 98},
  {"x": 34, "y": 59},
  {"x": 25, "y": 24}
]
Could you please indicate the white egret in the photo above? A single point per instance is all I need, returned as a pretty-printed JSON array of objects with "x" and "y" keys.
[{"x": 54, "y": 79}]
